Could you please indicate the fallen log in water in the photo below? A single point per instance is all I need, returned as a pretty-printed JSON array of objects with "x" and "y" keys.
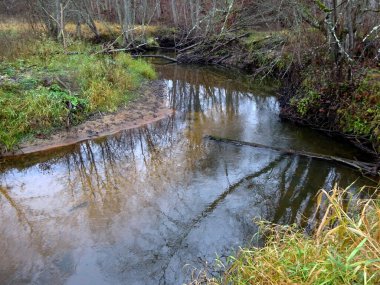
[
  {"x": 155, "y": 56},
  {"x": 366, "y": 168},
  {"x": 133, "y": 55}
]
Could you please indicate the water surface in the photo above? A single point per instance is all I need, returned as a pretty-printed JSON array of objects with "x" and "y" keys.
[{"x": 150, "y": 205}]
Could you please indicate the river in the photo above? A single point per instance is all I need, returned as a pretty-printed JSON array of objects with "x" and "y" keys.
[{"x": 153, "y": 205}]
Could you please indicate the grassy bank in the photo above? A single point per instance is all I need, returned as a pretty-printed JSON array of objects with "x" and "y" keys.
[
  {"x": 344, "y": 248},
  {"x": 350, "y": 107},
  {"x": 43, "y": 89}
]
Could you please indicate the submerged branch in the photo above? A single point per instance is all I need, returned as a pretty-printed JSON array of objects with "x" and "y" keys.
[{"x": 364, "y": 167}]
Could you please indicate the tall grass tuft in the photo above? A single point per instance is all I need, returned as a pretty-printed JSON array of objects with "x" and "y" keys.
[{"x": 344, "y": 248}]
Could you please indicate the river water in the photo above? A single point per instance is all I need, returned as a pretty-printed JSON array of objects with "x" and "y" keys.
[{"x": 152, "y": 205}]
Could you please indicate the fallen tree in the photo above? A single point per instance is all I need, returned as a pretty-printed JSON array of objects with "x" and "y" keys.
[
  {"x": 366, "y": 168},
  {"x": 155, "y": 56}
]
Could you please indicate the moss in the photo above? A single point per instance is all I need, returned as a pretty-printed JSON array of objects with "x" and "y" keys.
[
  {"x": 361, "y": 115},
  {"x": 308, "y": 96},
  {"x": 255, "y": 37},
  {"x": 305, "y": 102},
  {"x": 265, "y": 50},
  {"x": 347, "y": 107}
]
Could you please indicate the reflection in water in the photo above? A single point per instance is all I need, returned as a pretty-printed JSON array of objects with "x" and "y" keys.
[{"x": 147, "y": 206}]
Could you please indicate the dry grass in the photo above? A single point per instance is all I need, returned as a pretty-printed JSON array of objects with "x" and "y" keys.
[
  {"x": 12, "y": 27},
  {"x": 109, "y": 30},
  {"x": 344, "y": 249},
  {"x": 15, "y": 39}
]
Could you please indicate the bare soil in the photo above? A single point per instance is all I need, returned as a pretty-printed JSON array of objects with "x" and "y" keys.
[{"x": 149, "y": 107}]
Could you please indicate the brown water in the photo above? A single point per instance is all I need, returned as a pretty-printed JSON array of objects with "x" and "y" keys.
[{"x": 150, "y": 205}]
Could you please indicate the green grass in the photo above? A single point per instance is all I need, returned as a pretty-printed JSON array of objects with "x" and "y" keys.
[
  {"x": 44, "y": 89},
  {"x": 344, "y": 249}
]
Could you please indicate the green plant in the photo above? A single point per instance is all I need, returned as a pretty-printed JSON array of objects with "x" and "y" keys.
[
  {"x": 304, "y": 103},
  {"x": 29, "y": 112}
]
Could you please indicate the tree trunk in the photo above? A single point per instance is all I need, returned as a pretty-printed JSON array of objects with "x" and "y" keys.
[
  {"x": 127, "y": 23},
  {"x": 174, "y": 12},
  {"x": 334, "y": 22},
  {"x": 79, "y": 26},
  {"x": 158, "y": 9}
]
